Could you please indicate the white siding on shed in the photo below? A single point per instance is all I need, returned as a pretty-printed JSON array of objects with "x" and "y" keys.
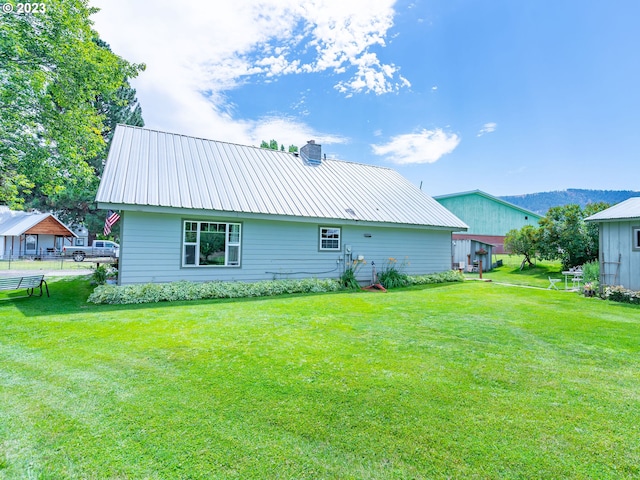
[
  {"x": 616, "y": 243},
  {"x": 619, "y": 260}
]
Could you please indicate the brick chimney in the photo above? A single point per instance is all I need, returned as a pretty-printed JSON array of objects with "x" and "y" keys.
[{"x": 312, "y": 153}]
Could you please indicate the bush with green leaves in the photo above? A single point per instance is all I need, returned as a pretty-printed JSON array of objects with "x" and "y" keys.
[
  {"x": 103, "y": 273},
  {"x": 591, "y": 272},
  {"x": 183, "y": 290},
  {"x": 443, "y": 277},
  {"x": 618, "y": 293},
  {"x": 100, "y": 275}
]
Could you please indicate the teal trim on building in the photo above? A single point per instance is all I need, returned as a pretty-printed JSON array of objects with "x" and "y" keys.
[{"x": 486, "y": 214}]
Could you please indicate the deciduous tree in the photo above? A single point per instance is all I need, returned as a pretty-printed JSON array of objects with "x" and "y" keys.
[
  {"x": 523, "y": 242},
  {"x": 564, "y": 235},
  {"x": 54, "y": 71},
  {"x": 273, "y": 145}
]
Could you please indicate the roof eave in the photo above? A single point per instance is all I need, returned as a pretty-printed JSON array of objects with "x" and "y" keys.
[{"x": 265, "y": 216}]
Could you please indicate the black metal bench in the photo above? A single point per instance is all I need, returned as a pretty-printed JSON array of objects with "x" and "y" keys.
[{"x": 30, "y": 282}]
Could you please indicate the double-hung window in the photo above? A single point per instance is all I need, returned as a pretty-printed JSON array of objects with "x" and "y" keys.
[
  {"x": 329, "y": 238},
  {"x": 211, "y": 244},
  {"x": 636, "y": 238}
]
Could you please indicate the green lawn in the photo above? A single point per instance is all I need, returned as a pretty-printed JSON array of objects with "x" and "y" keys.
[
  {"x": 537, "y": 276},
  {"x": 49, "y": 265},
  {"x": 466, "y": 380}
]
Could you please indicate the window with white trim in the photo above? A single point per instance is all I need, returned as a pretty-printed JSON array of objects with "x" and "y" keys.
[
  {"x": 330, "y": 238},
  {"x": 211, "y": 244},
  {"x": 636, "y": 238}
]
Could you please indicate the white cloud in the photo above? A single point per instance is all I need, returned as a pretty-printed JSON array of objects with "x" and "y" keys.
[
  {"x": 487, "y": 128},
  {"x": 197, "y": 51},
  {"x": 289, "y": 132},
  {"x": 427, "y": 146}
]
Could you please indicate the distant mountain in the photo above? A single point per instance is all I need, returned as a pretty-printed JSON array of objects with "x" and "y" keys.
[{"x": 542, "y": 202}]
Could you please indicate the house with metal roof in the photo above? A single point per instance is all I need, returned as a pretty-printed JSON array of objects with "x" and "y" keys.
[
  {"x": 489, "y": 218},
  {"x": 619, "y": 237},
  {"x": 199, "y": 210},
  {"x": 31, "y": 234}
]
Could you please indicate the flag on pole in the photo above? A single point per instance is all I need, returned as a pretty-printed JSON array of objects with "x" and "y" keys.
[{"x": 112, "y": 218}]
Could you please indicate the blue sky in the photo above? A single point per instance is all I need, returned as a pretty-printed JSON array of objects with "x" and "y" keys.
[{"x": 505, "y": 96}]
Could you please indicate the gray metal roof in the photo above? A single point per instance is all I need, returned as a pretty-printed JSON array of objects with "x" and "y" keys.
[
  {"x": 14, "y": 223},
  {"x": 627, "y": 210},
  {"x": 158, "y": 169}
]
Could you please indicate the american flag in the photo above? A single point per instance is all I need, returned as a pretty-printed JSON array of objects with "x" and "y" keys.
[{"x": 112, "y": 218}]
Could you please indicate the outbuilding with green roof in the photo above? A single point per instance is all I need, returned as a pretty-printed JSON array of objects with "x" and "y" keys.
[{"x": 489, "y": 218}]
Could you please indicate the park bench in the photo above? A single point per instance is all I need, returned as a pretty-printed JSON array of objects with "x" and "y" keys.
[{"x": 29, "y": 282}]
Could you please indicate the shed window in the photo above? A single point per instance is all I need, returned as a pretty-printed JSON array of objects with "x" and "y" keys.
[
  {"x": 211, "y": 244},
  {"x": 636, "y": 238},
  {"x": 329, "y": 238}
]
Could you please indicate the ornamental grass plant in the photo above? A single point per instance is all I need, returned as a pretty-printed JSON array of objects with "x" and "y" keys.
[{"x": 392, "y": 274}]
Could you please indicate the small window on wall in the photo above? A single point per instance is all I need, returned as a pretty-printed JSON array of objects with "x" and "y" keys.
[
  {"x": 636, "y": 238},
  {"x": 329, "y": 238},
  {"x": 211, "y": 244}
]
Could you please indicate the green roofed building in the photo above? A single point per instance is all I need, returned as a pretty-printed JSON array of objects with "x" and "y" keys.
[{"x": 489, "y": 218}]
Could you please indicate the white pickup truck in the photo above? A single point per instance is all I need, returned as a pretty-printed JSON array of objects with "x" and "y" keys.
[{"x": 100, "y": 248}]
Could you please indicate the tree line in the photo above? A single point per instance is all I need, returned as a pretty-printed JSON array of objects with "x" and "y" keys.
[
  {"x": 62, "y": 91},
  {"x": 273, "y": 145},
  {"x": 562, "y": 234}
]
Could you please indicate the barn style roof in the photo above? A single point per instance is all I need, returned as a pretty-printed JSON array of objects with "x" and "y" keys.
[
  {"x": 14, "y": 223},
  {"x": 480, "y": 193},
  {"x": 148, "y": 168},
  {"x": 627, "y": 210}
]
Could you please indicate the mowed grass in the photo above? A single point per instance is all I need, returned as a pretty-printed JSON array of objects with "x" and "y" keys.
[
  {"x": 536, "y": 276},
  {"x": 472, "y": 380},
  {"x": 9, "y": 267}
]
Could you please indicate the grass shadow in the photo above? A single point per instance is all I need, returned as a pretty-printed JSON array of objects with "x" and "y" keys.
[{"x": 69, "y": 296}]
